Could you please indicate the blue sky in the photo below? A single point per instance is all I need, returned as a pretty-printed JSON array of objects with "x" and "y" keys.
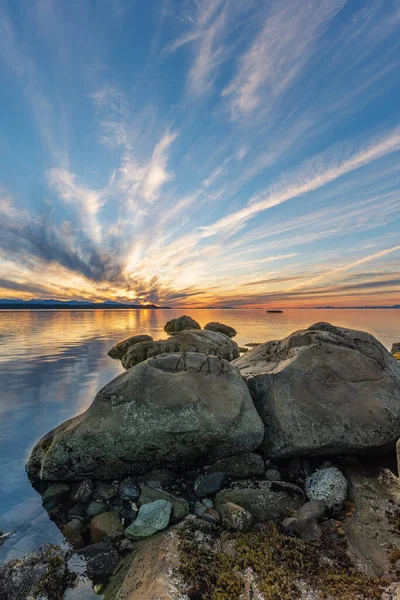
[{"x": 201, "y": 152}]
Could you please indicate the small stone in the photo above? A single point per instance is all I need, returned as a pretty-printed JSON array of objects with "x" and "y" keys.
[
  {"x": 222, "y": 328},
  {"x": 106, "y": 526},
  {"x": 180, "y": 508},
  {"x": 235, "y": 517},
  {"x": 199, "y": 509},
  {"x": 240, "y": 467},
  {"x": 306, "y": 529},
  {"x": 313, "y": 509},
  {"x": 209, "y": 484},
  {"x": 78, "y": 511},
  {"x": 208, "y": 503},
  {"x": 96, "y": 508},
  {"x": 128, "y": 489},
  {"x": 152, "y": 517},
  {"x": 56, "y": 494},
  {"x": 72, "y": 532},
  {"x": 273, "y": 475},
  {"x": 105, "y": 491},
  {"x": 82, "y": 492},
  {"x": 126, "y": 546},
  {"x": 329, "y": 485},
  {"x": 211, "y": 516}
]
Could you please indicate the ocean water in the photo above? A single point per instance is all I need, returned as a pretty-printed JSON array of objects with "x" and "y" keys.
[{"x": 52, "y": 363}]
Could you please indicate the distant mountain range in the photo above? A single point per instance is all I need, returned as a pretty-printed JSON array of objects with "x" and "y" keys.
[
  {"x": 348, "y": 307},
  {"x": 39, "y": 303}
]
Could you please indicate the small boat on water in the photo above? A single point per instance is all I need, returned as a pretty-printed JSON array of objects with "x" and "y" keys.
[{"x": 274, "y": 311}]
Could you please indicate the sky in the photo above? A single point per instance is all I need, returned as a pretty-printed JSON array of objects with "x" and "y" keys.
[{"x": 201, "y": 152}]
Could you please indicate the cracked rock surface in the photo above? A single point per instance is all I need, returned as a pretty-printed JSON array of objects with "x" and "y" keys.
[{"x": 324, "y": 390}]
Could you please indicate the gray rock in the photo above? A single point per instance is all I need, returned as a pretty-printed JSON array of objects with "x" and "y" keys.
[
  {"x": 329, "y": 485},
  {"x": 180, "y": 508},
  {"x": 208, "y": 503},
  {"x": 306, "y": 529},
  {"x": 121, "y": 348},
  {"x": 225, "y": 329},
  {"x": 82, "y": 492},
  {"x": 313, "y": 509},
  {"x": 105, "y": 491},
  {"x": 154, "y": 417},
  {"x": 273, "y": 475},
  {"x": 39, "y": 575},
  {"x": 100, "y": 560},
  {"x": 106, "y": 526},
  {"x": 235, "y": 518},
  {"x": 77, "y": 511},
  {"x": 264, "y": 500},
  {"x": 199, "y": 509},
  {"x": 72, "y": 532},
  {"x": 208, "y": 484},
  {"x": 392, "y": 592},
  {"x": 96, "y": 508},
  {"x": 210, "y": 343},
  {"x": 128, "y": 489},
  {"x": 152, "y": 517},
  {"x": 240, "y": 467},
  {"x": 55, "y": 494},
  {"x": 180, "y": 324},
  {"x": 324, "y": 390},
  {"x": 210, "y": 515},
  {"x": 126, "y": 546}
]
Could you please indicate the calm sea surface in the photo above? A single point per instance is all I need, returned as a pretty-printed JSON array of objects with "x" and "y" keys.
[{"x": 52, "y": 363}]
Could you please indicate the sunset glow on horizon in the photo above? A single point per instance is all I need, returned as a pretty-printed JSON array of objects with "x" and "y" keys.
[{"x": 195, "y": 153}]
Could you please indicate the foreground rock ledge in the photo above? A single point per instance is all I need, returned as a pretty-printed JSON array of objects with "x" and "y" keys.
[
  {"x": 176, "y": 411},
  {"x": 324, "y": 390}
]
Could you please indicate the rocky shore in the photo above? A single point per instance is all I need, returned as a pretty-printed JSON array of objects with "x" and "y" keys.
[{"x": 207, "y": 471}]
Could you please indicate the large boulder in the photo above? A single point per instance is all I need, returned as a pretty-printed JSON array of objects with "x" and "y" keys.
[
  {"x": 120, "y": 349},
  {"x": 207, "y": 342},
  {"x": 175, "y": 410},
  {"x": 324, "y": 390},
  {"x": 222, "y": 328},
  {"x": 180, "y": 324}
]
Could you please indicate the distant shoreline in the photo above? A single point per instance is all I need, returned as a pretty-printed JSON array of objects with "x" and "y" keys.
[{"x": 98, "y": 306}]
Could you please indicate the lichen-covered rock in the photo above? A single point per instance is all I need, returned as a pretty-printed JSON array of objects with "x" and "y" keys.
[
  {"x": 211, "y": 343},
  {"x": 329, "y": 485},
  {"x": 39, "y": 575},
  {"x": 152, "y": 517},
  {"x": 392, "y": 592},
  {"x": 176, "y": 411},
  {"x": 106, "y": 526},
  {"x": 324, "y": 390},
  {"x": 225, "y": 329},
  {"x": 98, "y": 561},
  {"x": 82, "y": 492},
  {"x": 180, "y": 324},
  {"x": 121, "y": 348},
  {"x": 180, "y": 507},
  {"x": 240, "y": 467},
  {"x": 235, "y": 518},
  {"x": 264, "y": 500}
]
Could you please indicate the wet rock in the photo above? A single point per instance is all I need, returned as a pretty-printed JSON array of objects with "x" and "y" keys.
[
  {"x": 105, "y": 491},
  {"x": 154, "y": 416},
  {"x": 272, "y": 475},
  {"x": 77, "y": 511},
  {"x": 180, "y": 508},
  {"x": 121, "y": 348},
  {"x": 264, "y": 500},
  {"x": 106, "y": 526},
  {"x": 324, "y": 390},
  {"x": 128, "y": 489},
  {"x": 199, "y": 509},
  {"x": 225, "y": 329},
  {"x": 208, "y": 484},
  {"x": 72, "y": 532},
  {"x": 306, "y": 529},
  {"x": 152, "y": 517},
  {"x": 210, "y": 515},
  {"x": 235, "y": 518},
  {"x": 329, "y": 485},
  {"x": 208, "y": 503},
  {"x": 313, "y": 509},
  {"x": 96, "y": 508},
  {"x": 210, "y": 343},
  {"x": 100, "y": 560},
  {"x": 180, "y": 324},
  {"x": 241, "y": 466},
  {"x": 82, "y": 492},
  {"x": 40, "y": 575},
  {"x": 55, "y": 494}
]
